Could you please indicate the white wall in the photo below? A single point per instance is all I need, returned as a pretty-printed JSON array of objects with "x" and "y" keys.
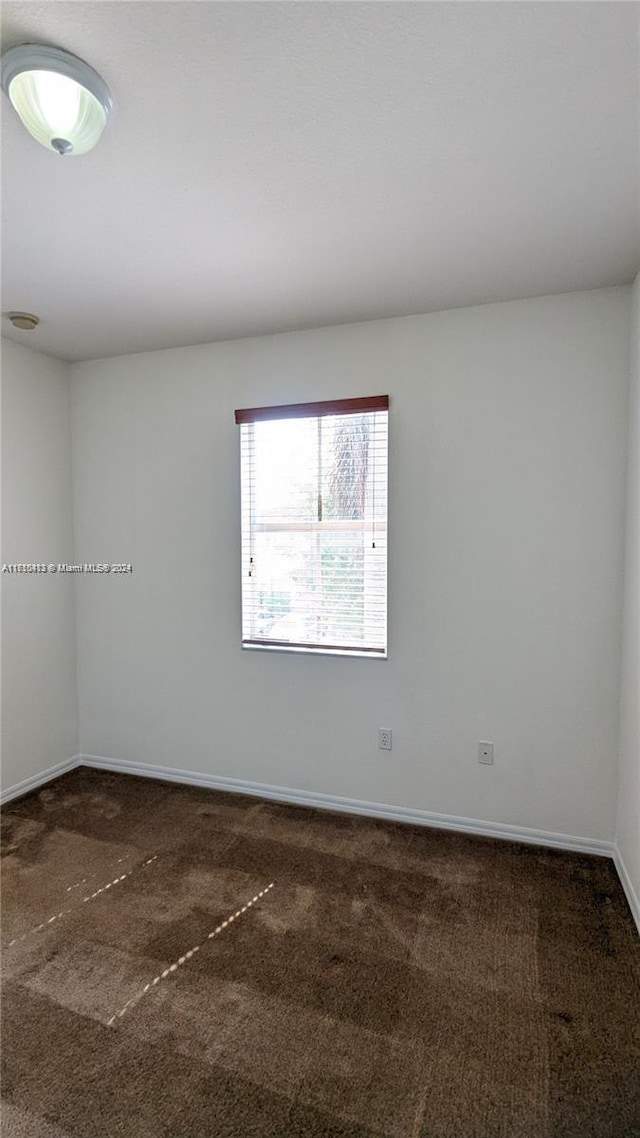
[
  {"x": 628, "y": 820},
  {"x": 39, "y": 713},
  {"x": 507, "y": 435}
]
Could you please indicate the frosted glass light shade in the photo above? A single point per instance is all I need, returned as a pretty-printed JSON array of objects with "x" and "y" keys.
[{"x": 62, "y": 102}]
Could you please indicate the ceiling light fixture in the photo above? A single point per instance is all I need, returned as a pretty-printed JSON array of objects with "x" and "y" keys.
[
  {"x": 60, "y": 99},
  {"x": 26, "y": 321}
]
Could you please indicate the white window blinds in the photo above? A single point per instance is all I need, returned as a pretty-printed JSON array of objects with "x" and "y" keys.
[{"x": 314, "y": 526}]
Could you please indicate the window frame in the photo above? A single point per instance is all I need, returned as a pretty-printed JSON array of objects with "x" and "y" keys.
[{"x": 325, "y": 408}]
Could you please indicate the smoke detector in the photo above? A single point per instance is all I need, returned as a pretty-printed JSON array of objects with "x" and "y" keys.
[{"x": 26, "y": 321}]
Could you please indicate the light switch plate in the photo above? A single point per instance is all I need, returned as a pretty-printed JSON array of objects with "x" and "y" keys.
[{"x": 485, "y": 753}]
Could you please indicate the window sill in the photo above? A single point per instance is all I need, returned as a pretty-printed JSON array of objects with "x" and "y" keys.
[{"x": 297, "y": 651}]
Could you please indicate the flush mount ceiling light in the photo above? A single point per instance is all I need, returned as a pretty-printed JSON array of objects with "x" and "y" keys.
[
  {"x": 60, "y": 99},
  {"x": 26, "y": 321}
]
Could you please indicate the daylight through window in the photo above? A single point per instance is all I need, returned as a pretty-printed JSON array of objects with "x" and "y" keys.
[{"x": 314, "y": 526}]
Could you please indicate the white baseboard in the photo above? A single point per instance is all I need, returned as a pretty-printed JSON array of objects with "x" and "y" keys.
[
  {"x": 354, "y": 806},
  {"x": 627, "y": 885},
  {"x": 36, "y": 780},
  {"x": 342, "y": 805}
]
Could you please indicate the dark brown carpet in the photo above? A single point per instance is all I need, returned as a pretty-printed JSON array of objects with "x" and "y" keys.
[{"x": 395, "y": 980}]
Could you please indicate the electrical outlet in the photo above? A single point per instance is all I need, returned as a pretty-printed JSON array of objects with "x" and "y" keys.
[
  {"x": 385, "y": 738},
  {"x": 485, "y": 753}
]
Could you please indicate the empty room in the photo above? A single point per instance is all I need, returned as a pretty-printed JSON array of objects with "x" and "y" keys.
[{"x": 320, "y": 569}]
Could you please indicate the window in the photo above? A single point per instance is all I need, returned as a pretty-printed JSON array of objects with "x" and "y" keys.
[{"x": 314, "y": 526}]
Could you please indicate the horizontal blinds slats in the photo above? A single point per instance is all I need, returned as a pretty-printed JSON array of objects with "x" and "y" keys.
[
  {"x": 313, "y": 410},
  {"x": 314, "y": 528},
  {"x": 334, "y": 525}
]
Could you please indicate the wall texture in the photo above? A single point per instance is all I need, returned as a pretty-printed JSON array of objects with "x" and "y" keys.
[
  {"x": 39, "y": 714},
  {"x": 507, "y": 437},
  {"x": 628, "y": 821}
]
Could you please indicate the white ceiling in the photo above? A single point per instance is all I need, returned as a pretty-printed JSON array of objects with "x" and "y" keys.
[{"x": 286, "y": 165}]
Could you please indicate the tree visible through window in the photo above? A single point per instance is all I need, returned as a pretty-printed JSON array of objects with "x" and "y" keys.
[{"x": 314, "y": 526}]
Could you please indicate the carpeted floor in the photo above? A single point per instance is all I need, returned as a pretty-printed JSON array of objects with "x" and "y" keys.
[{"x": 393, "y": 981}]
